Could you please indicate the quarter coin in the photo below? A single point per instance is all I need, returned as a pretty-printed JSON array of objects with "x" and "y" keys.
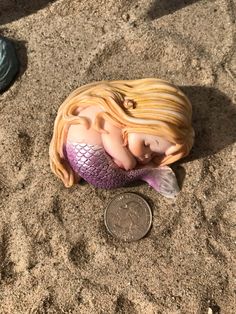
[{"x": 128, "y": 217}]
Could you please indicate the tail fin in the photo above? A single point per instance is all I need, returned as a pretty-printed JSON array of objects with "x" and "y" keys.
[{"x": 163, "y": 180}]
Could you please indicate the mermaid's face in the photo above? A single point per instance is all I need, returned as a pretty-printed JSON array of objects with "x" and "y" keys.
[{"x": 145, "y": 146}]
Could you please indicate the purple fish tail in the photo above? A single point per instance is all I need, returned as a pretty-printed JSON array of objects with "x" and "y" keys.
[{"x": 95, "y": 166}]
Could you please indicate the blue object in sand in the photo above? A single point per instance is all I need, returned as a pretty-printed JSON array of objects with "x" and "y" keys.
[{"x": 9, "y": 64}]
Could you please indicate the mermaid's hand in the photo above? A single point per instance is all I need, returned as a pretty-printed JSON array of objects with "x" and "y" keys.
[{"x": 129, "y": 164}]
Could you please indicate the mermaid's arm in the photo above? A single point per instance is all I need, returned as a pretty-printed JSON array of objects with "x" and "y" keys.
[
  {"x": 113, "y": 144},
  {"x": 120, "y": 154}
]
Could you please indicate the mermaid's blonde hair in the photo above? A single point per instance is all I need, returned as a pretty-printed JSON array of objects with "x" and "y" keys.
[{"x": 150, "y": 106}]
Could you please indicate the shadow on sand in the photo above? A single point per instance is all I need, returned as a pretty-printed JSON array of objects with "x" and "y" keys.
[
  {"x": 160, "y": 8},
  {"x": 214, "y": 119},
  {"x": 11, "y": 10}
]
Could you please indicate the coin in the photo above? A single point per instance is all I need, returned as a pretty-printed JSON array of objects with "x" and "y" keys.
[{"x": 128, "y": 217}]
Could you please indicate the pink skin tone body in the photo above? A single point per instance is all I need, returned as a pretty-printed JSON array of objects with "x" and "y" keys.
[{"x": 138, "y": 153}]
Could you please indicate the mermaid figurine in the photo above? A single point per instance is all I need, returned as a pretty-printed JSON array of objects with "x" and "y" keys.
[{"x": 112, "y": 133}]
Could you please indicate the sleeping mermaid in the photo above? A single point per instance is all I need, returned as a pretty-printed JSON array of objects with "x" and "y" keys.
[{"x": 112, "y": 133}]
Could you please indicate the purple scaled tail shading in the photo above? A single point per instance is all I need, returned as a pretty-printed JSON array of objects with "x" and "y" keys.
[{"x": 94, "y": 165}]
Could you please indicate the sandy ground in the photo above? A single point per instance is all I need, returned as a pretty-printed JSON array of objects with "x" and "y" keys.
[{"x": 55, "y": 254}]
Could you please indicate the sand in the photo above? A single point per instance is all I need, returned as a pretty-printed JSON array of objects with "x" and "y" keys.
[{"x": 55, "y": 253}]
